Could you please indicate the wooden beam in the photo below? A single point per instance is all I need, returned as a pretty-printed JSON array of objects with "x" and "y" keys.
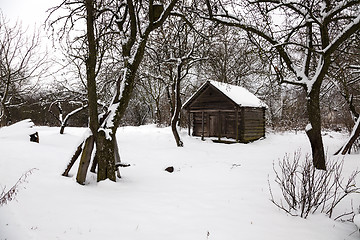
[
  {"x": 219, "y": 126},
  {"x": 202, "y": 125},
  {"x": 208, "y": 124},
  {"x": 242, "y": 124},
  {"x": 189, "y": 122},
  {"x": 212, "y": 111},
  {"x": 85, "y": 160},
  {"x": 237, "y": 124}
]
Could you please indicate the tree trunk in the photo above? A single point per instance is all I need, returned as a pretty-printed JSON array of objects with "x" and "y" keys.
[
  {"x": 177, "y": 107},
  {"x": 158, "y": 113},
  {"x": 94, "y": 165},
  {"x": 313, "y": 130},
  {"x": 5, "y": 118},
  {"x": 90, "y": 68},
  {"x": 346, "y": 148},
  {"x": 178, "y": 141},
  {"x": 2, "y": 114},
  {"x": 355, "y": 133},
  {"x": 105, "y": 155},
  {"x": 62, "y": 128}
]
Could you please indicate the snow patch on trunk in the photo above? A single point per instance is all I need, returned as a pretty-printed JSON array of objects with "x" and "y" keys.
[{"x": 308, "y": 127}]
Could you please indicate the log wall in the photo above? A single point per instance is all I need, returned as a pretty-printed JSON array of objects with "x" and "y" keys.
[
  {"x": 252, "y": 124},
  {"x": 211, "y": 99},
  {"x": 222, "y": 124},
  {"x": 215, "y": 115},
  {"x": 216, "y": 124}
]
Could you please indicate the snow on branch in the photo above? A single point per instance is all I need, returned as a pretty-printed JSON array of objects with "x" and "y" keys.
[
  {"x": 356, "y": 68},
  {"x": 234, "y": 21},
  {"x": 344, "y": 35}
]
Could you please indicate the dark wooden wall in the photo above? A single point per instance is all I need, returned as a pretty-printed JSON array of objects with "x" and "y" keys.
[
  {"x": 216, "y": 124},
  {"x": 211, "y": 99},
  {"x": 253, "y": 124},
  {"x": 214, "y": 115}
]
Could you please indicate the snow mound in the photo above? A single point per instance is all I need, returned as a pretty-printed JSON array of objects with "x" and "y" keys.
[{"x": 19, "y": 130}]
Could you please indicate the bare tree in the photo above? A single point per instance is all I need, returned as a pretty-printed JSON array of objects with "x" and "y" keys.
[
  {"x": 306, "y": 39},
  {"x": 346, "y": 78},
  {"x": 233, "y": 58},
  {"x": 60, "y": 116},
  {"x": 177, "y": 47},
  {"x": 127, "y": 24},
  {"x": 21, "y": 65}
]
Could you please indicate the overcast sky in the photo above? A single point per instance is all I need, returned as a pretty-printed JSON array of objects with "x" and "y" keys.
[
  {"x": 27, "y": 11},
  {"x": 32, "y": 14}
]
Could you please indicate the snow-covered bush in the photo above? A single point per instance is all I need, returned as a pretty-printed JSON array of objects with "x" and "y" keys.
[{"x": 306, "y": 190}]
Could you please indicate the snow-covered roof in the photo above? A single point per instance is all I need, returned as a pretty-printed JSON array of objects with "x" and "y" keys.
[{"x": 239, "y": 95}]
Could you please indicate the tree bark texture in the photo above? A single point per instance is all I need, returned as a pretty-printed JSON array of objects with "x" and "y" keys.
[
  {"x": 177, "y": 107},
  {"x": 62, "y": 128},
  {"x": 91, "y": 68},
  {"x": 4, "y": 115},
  {"x": 314, "y": 134},
  {"x": 105, "y": 155}
]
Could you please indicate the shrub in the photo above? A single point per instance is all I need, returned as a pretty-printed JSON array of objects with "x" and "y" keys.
[
  {"x": 306, "y": 190},
  {"x": 10, "y": 195}
]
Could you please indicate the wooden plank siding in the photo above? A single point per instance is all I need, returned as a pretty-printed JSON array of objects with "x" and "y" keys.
[
  {"x": 213, "y": 122},
  {"x": 216, "y": 115},
  {"x": 253, "y": 125},
  {"x": 211, "y": 99}
]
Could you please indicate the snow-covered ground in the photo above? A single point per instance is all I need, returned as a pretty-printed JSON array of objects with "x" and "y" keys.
[{"x": 217, "y": 191}]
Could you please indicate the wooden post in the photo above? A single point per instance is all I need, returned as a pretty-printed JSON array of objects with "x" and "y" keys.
[
  {"x": 202, "y": 125},
  {"x": 189, "y": 123},
  {"x": 237, "y": 124},
  {"x": 208, "y": 124},
  {"x": 242, "y": 124},
  {"x": 263, "y": 115},
  {"x": 219, "y": 126},
  {"x": 85, "y": 160}
]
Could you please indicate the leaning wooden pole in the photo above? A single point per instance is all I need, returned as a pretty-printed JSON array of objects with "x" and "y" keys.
[
  {"x": 73, "y": 160},
  {"x": 85, "y": 160}
]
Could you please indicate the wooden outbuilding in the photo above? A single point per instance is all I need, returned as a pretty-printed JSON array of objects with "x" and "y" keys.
[{"x": 225, "y": 111}]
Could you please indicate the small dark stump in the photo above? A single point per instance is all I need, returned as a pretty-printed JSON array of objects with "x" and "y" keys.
[
  {"x": 34, "y": 137},
  {"x": 169, "y": 169}
]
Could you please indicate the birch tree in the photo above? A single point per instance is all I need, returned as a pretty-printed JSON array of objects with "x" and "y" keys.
[{"x": 306, "y": 35}]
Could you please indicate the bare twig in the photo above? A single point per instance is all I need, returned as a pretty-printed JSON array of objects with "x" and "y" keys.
[{"x": 10, "y": 195}]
